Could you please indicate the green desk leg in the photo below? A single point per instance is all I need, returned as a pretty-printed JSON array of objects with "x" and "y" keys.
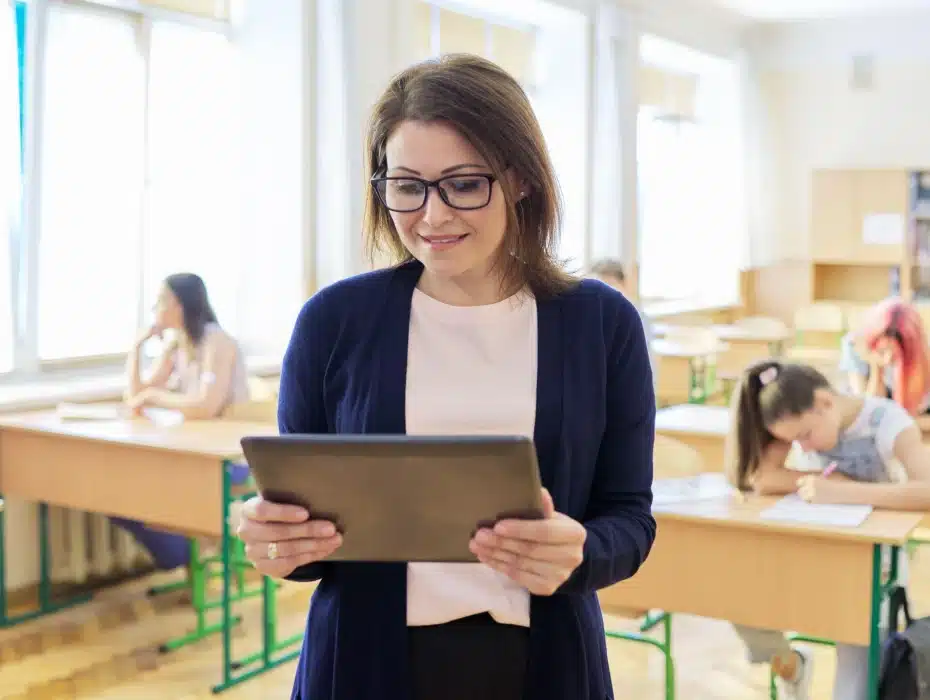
[
  {"x": 46, "y": 604},
  {"x": 273, "y": 653},
  {"x": 664, "y": 645}
]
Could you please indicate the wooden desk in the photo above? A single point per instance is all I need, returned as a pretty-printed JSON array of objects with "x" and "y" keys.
[
  {"x": 745, "y": 346},
  {"x": 164, "y": 472},
  {"x": 684, "y": 370},
  {"x": 718, "y": 559},
  {"x": 704, "y": 428},
  {"x": 733, "y": 333}
]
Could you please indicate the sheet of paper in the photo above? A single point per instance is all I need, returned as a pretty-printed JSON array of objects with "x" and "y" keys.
[
  {"x": 794, "y": 509},
  {"x": 883, "y": 229},
  {"x": 697, "y": 488}
]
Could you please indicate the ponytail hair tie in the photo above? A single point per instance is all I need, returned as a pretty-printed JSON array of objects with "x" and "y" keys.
[{"x": 768, "y": 375}]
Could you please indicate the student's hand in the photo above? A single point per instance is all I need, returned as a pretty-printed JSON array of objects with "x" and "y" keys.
[
  {"x": 153, "y": 331},
  {"x": 819, "y": 489},
  {"x": 280, "y": 538},
  {"x": 540, "y": 555},
  {"x": 137, "y": 403}
]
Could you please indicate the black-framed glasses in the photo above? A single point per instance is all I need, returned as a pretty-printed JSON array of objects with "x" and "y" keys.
[{"x": 408, "y": 194}]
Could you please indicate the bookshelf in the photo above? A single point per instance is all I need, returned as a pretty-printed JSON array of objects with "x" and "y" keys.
[{"x": 914, "y": 282}]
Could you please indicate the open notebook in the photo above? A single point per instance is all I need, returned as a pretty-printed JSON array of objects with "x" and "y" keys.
[{"x": 794, "y": 509}]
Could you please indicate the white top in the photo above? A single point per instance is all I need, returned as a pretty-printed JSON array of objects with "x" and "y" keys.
[
  {"x": 471, "y": 370},
  {"x": 865, "y": 450},
  {"x": 188, "y": 376}
]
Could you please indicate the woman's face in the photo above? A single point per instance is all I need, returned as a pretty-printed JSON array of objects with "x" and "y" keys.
[
  {"x": 168, "y": 311},
  {"x": 816, "y": 430},
  {"x": 450, "y": 242}
]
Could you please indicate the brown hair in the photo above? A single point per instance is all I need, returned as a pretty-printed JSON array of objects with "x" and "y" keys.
[
  {"x": 768, "y": 392},
  {"x": 609, "y": 267},
  {"x": 490, "y": 109}
]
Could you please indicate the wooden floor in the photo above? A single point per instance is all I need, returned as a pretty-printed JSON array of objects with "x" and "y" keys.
[{"x": 106, "y": 650}]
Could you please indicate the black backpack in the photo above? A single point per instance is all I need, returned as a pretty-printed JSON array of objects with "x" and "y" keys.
[{"x": 905, "y": 666}]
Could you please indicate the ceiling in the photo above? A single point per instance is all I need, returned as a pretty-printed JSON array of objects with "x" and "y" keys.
[{"x": 812, "y": 9}]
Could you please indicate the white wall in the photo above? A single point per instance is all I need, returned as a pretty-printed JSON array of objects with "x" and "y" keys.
[{"x": 808, "y": 116}]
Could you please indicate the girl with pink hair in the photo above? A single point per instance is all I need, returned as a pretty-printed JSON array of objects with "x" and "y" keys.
[{"x": 889, "y": 356}]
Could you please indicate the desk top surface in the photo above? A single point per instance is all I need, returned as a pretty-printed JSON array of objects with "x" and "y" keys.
[
  {"x": 694, "y": 419},
  {"x": 160, "y": 430},
  {"x": 671, "y": 348},
  {"x": 732, "y": 333},
  {"x": 739, "y": 511}
]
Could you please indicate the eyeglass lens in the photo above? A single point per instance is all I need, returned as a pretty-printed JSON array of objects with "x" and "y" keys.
[{"x": 460, "y": 192}]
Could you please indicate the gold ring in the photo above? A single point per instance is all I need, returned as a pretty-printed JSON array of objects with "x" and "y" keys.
[{"x": 272, "y": 550}]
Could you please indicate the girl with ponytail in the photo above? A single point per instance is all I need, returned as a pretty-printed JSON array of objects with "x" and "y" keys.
[{"x": 853, "y": 449}]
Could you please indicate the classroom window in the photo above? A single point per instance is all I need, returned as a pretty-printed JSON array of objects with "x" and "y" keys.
[
  {"x": 191, "y": 224},
  {"x": 137, "y": 167},
  {"x": 10, "y": 171},
  {"x": 689, "y": 148},
  {"x": 93, "y": 136}
]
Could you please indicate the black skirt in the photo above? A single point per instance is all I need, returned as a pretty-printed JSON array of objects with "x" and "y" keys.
[{"x": 474, "y": 658}]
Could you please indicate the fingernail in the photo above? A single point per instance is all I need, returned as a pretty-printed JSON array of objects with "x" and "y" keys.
[
  {"x": 484, "y": 537},
  {"x": 327, "y": 530}
]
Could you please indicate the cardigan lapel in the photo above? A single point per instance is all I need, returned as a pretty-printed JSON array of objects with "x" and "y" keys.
[
  {"x": 389, "y": 381},
  {"x": 378, "y": 591},
  {"x": 547, "y": 674},
  {"x": 547, "y": 432}
]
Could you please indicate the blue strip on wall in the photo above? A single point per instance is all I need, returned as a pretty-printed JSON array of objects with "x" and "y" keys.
[{"x": 20, "y": 10}]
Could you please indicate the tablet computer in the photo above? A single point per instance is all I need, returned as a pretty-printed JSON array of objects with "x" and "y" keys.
[{"x": 397, "y": 497}]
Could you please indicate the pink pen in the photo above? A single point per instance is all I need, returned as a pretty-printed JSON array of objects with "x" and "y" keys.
[{"x": 829, "y": 470}]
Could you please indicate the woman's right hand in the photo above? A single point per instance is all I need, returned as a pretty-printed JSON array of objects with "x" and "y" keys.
[{"x": 281, "y": 538}]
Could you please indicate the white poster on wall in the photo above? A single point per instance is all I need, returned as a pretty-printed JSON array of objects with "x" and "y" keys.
[{"x": 883, "y": 229}]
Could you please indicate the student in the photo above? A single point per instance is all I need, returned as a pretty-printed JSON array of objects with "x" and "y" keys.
[
  {"x": 889, "y": 356},
  {"x": 612, "y": 272},
  {"x": 476, "y": 330},
  {"x": 200, "y": 373},
  {"x": 879, "y": 459}
]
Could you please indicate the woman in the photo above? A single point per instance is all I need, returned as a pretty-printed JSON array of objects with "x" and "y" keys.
[
  {"x": 200, "y": 373},
  {"x": 889, "y": 356},
  {"x": 475, "y": 330}
]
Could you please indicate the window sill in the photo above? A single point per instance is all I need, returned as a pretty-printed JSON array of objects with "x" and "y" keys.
[{"x": 48, "y": 392}]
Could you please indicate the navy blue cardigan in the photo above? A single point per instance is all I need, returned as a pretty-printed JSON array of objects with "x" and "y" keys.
[{"x": 345, "y": 372}]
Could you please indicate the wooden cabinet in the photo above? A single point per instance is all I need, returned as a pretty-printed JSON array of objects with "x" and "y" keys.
[{"x": 842, "y": 201}]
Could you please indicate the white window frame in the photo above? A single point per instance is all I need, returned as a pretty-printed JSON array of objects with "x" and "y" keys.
[{"x": 25, "y": 287}]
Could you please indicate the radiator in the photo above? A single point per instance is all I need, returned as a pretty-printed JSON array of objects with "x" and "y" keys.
[{"x": 87, "y": 546}]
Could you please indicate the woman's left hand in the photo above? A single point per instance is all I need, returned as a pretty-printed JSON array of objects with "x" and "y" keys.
[
  {"x": 540, "y": 555},
  {"x": 819, "y": 489}
]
